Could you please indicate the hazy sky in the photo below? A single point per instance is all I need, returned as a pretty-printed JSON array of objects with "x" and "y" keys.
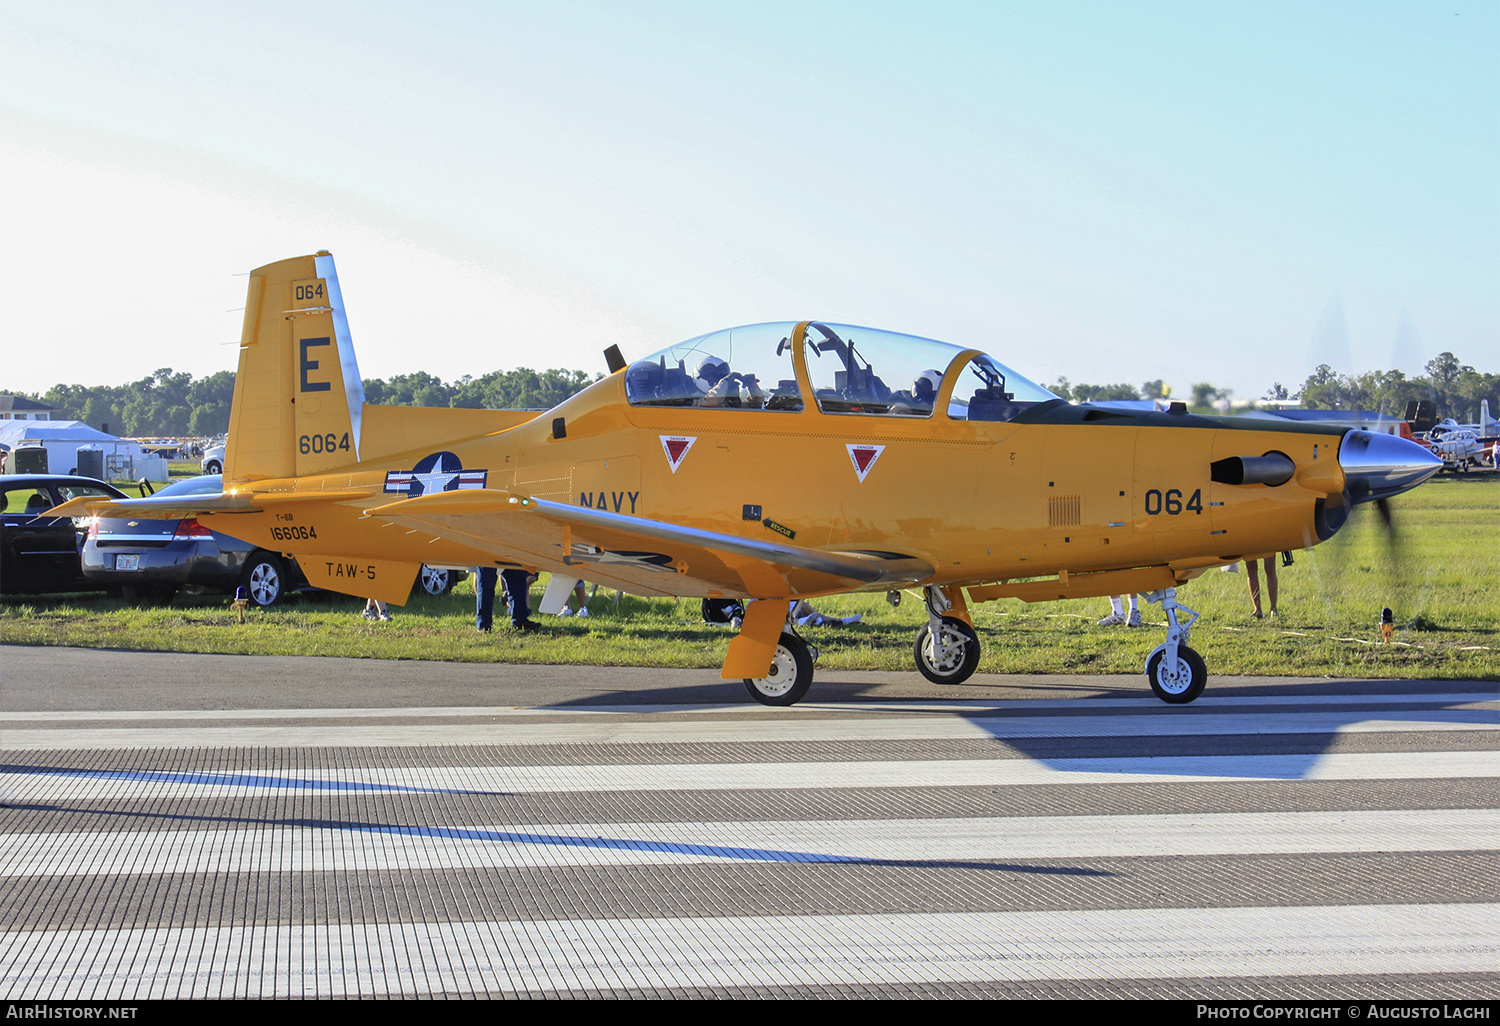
[{"x": 1110, "y": 191}]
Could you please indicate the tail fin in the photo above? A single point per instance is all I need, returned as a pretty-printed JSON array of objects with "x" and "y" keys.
[
  {"x": 298, "y": 395},
  {"x": 1485, "y": 420}
]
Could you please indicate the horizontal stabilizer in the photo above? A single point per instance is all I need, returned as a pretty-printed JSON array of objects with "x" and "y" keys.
[{"x": 177, "y": 506}]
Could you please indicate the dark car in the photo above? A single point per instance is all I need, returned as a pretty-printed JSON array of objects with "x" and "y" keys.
[
  {"x": 39, "y": 554},
  {"x": 153, "y": 559}
]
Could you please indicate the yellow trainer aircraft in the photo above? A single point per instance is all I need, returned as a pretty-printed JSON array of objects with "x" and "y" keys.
[{"x": 769, "y": 463}]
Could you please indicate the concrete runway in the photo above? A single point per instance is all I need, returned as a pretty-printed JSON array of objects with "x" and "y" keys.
[{"x": 225, "y": 826}]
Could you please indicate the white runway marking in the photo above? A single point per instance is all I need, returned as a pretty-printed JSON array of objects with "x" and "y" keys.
[
  {"x": 648, "y": 724},
  {"x": 246, "y": 839},
  {"x": 34, "y": 784},
  {"x": 542, "y": 955},
  {"x": 371, "y": 846}
]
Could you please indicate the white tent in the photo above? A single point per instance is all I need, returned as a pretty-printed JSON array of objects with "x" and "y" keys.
[{"x": 123, "y": 459}]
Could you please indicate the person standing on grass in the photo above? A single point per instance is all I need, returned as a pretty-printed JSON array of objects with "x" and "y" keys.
[
  {"x": 484, "y": 598},
  {"x": 1253, "y": 578},
  {"x": 518, "y": 598},
  {"x": 1118, "y": 615}
]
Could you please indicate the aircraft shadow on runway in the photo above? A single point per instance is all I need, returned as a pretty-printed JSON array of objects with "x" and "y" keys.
[
  {"x": 1282, "y": 735},
  {"x": 734, "y": 853}
]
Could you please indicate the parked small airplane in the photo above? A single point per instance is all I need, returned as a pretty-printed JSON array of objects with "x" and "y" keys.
[
  {"x": 1457, "y": 445},
  {"x": 769, "y": 463}
]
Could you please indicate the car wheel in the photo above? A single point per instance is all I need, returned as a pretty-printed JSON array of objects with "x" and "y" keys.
[
  {"x": 213, "y": 467},
  {"x": 432, "y": 581},
  {"x": 264, "y": 579}
]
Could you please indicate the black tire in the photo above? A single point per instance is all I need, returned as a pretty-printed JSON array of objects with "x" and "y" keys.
[
  {"x": 432, "y": 581},
  {"x": 790, "y": 675},
  {"x": 958, "y": 668},
  {"x": 213, "y": 467},
  {"x": 1182, "y": 687},
  {"x": 264, "y": 579}
]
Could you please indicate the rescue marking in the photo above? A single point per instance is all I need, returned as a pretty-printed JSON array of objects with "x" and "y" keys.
[{"x": 780, "y": 529}]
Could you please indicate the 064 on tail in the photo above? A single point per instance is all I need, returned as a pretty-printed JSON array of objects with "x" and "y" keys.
[{"x": 769, "y": 463}]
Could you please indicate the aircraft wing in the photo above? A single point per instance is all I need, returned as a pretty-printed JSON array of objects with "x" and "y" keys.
[{"x": 638, "y": 551}]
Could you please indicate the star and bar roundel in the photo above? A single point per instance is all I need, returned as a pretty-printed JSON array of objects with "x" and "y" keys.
[{"x": 439, "y": 472}]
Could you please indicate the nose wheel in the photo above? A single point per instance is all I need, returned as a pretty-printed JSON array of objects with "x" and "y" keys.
[
  {"x": 1177, "y": 682},
  {"x": 1176, "y": 672}
]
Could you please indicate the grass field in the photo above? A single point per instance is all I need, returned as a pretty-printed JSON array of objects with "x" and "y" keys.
[{"x": 1442, "y": 579}]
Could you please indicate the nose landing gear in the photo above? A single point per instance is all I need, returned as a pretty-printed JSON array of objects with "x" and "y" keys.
[{"x": 1176, "y": 672}]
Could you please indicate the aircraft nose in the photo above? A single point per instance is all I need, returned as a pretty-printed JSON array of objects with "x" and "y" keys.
[{"x": 1377, "y": 466}]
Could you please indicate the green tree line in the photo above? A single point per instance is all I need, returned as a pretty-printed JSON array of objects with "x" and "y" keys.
[
  {"x": 1455, "y": 388},
  {"x": 171, "y": 404},
  {"x": 163, "y": 403},
  {"x": 519, "y": 389}
]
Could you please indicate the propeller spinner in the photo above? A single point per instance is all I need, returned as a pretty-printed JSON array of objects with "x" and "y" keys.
[{"x": 1378, "y": 466}]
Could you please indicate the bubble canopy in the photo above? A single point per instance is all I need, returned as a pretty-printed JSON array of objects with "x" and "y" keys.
[{"x": 851, "y": 370}]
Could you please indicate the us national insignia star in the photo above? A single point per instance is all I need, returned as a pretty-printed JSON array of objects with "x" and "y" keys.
[{"x": 440, "y": 472}]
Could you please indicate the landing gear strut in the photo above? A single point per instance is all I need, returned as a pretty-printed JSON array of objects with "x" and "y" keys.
[
  {"x": 946, "y": 649},
  {"x": 1176, "y": 672}
]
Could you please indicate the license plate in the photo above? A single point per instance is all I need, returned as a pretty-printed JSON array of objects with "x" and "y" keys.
[{"x": 130, "y": 562}]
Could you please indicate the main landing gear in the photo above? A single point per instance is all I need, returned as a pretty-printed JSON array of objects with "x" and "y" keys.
[
  {"x": 946, "y": 649},
  {"x": 791, "y": 670},
  {"x": 790, "y": 675},
  {"x": 1176, "y": 672}
]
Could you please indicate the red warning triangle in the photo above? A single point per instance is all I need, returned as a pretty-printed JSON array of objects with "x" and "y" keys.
[
  {"x": 676, "y": 447},
  {"x": 863, "y": 457}
]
